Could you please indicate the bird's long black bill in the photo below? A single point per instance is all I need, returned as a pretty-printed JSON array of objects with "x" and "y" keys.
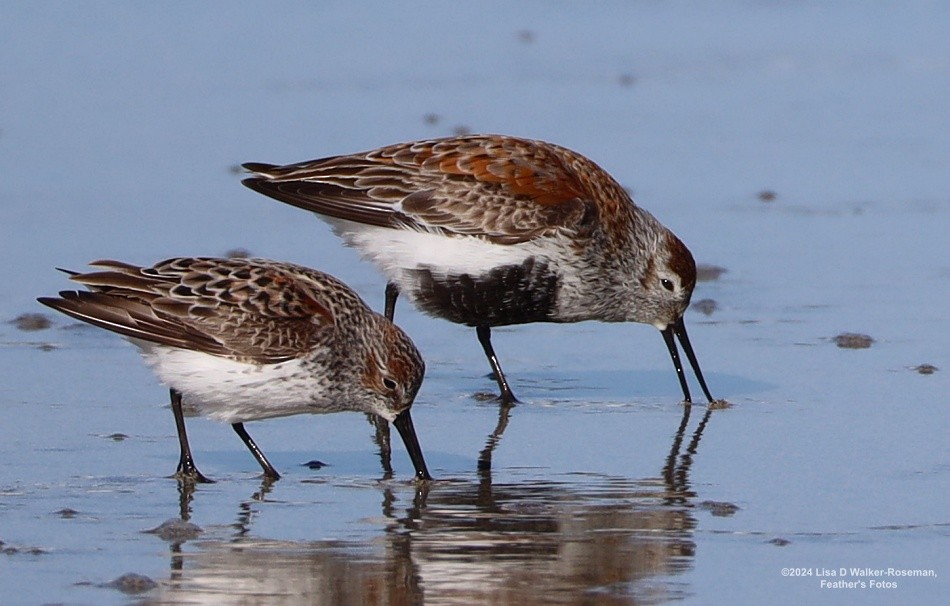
[
  {"x": 403, "y": 424},
  {"x": 678, "y": 327}
]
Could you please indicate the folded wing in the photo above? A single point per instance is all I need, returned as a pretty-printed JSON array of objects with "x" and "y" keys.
[
  {"x": 504, "y": 189},
  {"x": 235, "y": 308}
]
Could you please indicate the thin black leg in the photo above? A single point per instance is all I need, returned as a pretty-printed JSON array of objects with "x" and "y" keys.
[
  {"x": 392, "y": 292},
  {"x": 269, "y": 471},
  {"x": 484, "y": 337},
  {"x": 186, "y": 464}
]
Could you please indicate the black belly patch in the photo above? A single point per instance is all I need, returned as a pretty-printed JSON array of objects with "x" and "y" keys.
[{"x": 511, "y": 294}]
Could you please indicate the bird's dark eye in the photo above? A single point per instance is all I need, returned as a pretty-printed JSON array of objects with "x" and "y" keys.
[
  {"x": 667, "y": 284},
  {"x": 389, "y": 383}
]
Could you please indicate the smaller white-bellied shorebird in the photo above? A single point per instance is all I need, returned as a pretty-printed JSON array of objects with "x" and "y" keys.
[
  {"x": 249, "y": 339},
  {"x": 493, "y": 230}
]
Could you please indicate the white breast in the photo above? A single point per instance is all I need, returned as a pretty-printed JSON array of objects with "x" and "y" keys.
[
  {"x": 234, "y": 392},
  {"x": 394, "y": 250}
]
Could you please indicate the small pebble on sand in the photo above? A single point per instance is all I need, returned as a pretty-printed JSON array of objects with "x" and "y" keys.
[
  {"x": 132, "y": 583},
  {"x": 708, "y": 273},
  {"x": 238, "y": 253},
  {"x": 719, "y": 508},
  {"x": 175, "y": 530},
  {"x": 705, "y": 306},
  {"x": 853, "y": 340},
  {"x": 30, "y": 322},
  {"x": 526, "y": 36}
]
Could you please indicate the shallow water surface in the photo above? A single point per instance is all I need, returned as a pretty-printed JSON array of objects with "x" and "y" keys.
[
  {"x": 464, "y": 540},
  {"x": 120, "y": 131}
]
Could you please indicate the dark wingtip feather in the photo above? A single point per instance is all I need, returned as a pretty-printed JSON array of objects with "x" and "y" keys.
[
  {"x": 53, "y": 302},
  {"x": 68, "y": 302},
  {"x": 129, "y": 319},
  {"x": 323, "y": 199},
  {"x": 111, "y": 264},
  {"x": 255, "y": 183},
  {"x": 258, "y": 167}
]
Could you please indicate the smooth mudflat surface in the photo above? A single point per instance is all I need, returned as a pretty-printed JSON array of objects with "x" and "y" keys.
[{"x": 120, "y": 126}]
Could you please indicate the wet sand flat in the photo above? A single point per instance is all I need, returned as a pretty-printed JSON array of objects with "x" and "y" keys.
[{"x": 799, "y": 151}]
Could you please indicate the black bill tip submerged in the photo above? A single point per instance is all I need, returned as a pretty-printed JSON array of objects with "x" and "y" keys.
[
  {"x": 403, "y": 423},
  {"x": 678, "y": 328}
]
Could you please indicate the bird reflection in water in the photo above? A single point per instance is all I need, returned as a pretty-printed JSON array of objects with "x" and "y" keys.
[{"x": 603, "y": 539}]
